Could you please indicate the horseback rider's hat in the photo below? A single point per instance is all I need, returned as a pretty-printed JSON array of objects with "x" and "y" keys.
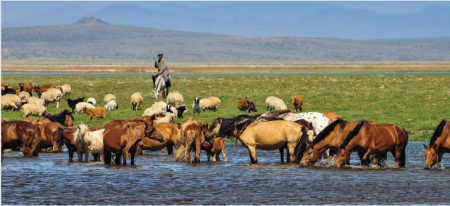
[{"x": 160, "y": 53}]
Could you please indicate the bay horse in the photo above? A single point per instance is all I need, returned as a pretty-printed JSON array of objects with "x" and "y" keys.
[
  {"x": 367, "y": 139},
  {"x": 439, "y": 144},
  {"x": 51, "y": 135},
  {"x": 122, "y": 137},
  {"x": 264, "y": 135},
  {"x": 329, "y": 138},
  {"x": 169, "y": 131},
  {"x": 21, "y": 134},
  {"x": 69, "y": 140}
]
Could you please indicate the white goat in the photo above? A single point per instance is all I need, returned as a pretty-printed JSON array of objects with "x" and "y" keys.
[
  {"x": 88, "y": 142},
  {"x": 196, "y": 106}
]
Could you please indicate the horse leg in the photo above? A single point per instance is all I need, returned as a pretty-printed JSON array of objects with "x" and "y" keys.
[
  {"x": 252, "y": 152},
  {"x": 124, "y": 153},
  {"x": 291, "y": 152},
  {"x": 367, "y": 154},
  {"x": 331, "y": 154},
  {"x": 363, "y": 162},
  {"x": 440, "y": 154},
  {"x": 282, "y": 154},
  {"x": 224, "y": 154},
  {"x": 197, "y": 151},
  {"x": 71, "y": 151},
  {"x": 80, "y": 155},
  {"x": 169, "y": 148},
  {"x": 139, "y": 150},
  {"x": 106, "y": 156},
  {"x": 133, "y": 154}
]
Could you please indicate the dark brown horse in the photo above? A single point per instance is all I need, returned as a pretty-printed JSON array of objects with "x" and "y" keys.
[
  {"x": 329, "y": 138},
  {"x": 169, "y": 132},
  {"x": 21, "y": 134},
  {"x": 439, "y": 144},
  {"x": 51, "y": 135},
  {"x": 122, "y": 137},
  {"x": 370, "y": 139},
  {"x": 68, "y": 140}
]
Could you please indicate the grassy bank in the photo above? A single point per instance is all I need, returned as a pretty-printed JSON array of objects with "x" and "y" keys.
[{"x": 417, "y": 103}]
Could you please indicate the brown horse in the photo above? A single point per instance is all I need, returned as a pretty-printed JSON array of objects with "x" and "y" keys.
[
  {"x": 367, "y": 139},
  {"x": 68, "y": 139},
  {"x": 329, "y": 138},
  {"x": 439, "y": 144},
  {"x": 214, "y": 149},
  {"x": 21, "y": 134},
  {"x": 169, "y": 131},
  {"x": 264, "y": 135},
  {"x": 121, "y": 137},
  {"x": 51, "y": 135}
]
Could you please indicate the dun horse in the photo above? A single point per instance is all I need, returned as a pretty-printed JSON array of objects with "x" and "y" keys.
[
  {"x": 439, "y": 144},
  {"x": 264, "y": 135},
  {"x": 190, "y": 137},
  {"x": 169, "y": 131},
  {"x": 367, "y": 139}
]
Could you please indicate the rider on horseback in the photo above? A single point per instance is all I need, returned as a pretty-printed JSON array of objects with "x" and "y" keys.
[{"x": 163, "y": 70}]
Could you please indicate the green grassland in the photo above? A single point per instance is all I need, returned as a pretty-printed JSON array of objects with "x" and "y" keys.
[{"x": 416, "y": 103}]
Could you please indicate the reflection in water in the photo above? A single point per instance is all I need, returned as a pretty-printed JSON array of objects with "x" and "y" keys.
[{"x": 156, "y": 179}]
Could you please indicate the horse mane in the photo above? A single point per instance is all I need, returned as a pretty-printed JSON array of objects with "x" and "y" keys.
[
  {"x": 240, "y": 122},
  {"x": 274, "y": 114},
  {"x": 353, "y": 133},
  {"x": 326, "y": 131},
  {"x": 304, "y": 123},
  {"x": 438, "y": 132},
  {"x": 301, "y": 146}
]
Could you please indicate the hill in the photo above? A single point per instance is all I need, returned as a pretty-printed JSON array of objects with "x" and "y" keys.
[
  {"x": 96, "y": 40},
  {"x": 290, "y": 18}
]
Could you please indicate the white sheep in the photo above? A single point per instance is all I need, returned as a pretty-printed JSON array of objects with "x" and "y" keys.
[
  {"x": 13, "y": 98},
  {"x": 275, "y": 104},
  {"x": 88, "y": 142},
  {"x": 136, "y": 100},
  {"x": 153, "y": 110},
  {"x": 161, "y": 105},
  {"x": 175, "y": 99},
  {"x": 80, "y": 105},
  {"x": 34, "y": 110},
  {"x": 111, "y": 105},
  {"x": 35, "y": 100},
  {"x": 169, "y": 118},
  {"x": 196, "y": 106},
  {"x": 65, "y": 89},
  {"x": 7, "y": 104},
  {"x": 24, "y": 96},
  {"x": 109, "y": 97},
  {"x": 91, "y": 101},
  {"x": 52, "y": 95},
  {"x": 212, "y": 103}
]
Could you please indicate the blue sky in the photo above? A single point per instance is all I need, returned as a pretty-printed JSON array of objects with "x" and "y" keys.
[{"x": 13, "y": 9}]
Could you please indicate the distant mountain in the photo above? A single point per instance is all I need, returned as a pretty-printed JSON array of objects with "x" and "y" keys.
[
  {"x": 295, "y": 19},
  {"x": 92, "y": 39}
]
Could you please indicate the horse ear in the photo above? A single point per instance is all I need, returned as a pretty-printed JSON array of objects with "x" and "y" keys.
[{"x": 426, "y": 147}]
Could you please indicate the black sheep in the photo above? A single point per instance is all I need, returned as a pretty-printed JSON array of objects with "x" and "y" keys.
[
  {"x": 8, "y": 90},
  {"x": 60, "y": 118},
  {"x": 73, "y": 103}
]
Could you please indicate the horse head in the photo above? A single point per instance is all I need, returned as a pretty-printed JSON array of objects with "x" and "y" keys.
[
  {"x": 342, "y": 158},
  {"x": 430, "y": 156},
  {"x": 213, "y": 130}
]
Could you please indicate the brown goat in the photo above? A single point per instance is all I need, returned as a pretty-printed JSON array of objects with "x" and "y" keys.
[
  {"x": 215, "y": 149},
  {"x": 40, "y": 89},
  {"x": 245, "y": 104},
  {"x": 95, "y": 113},
  {"x": 28, "y": 87},
  {"x": 298, "y": 102}
]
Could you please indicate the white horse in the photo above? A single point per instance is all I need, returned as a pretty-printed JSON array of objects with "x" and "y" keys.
[
  {"x": 160, "y": 85},
  {"x": 88, "y": 142}
]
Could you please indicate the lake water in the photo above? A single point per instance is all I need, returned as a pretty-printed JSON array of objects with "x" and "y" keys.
[{"x": 156, "y": 179}]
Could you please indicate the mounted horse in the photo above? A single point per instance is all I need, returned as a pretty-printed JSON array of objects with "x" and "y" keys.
[
  {"x": 263, "y": 135},
  {"x": 122, "y": 137},
  {"x": 169, "y": 132},
  {"x": 439, "y": 144},
  {"x": 329, "y": 138},
  {"x": 367, "y": 139},
  {"x": 160, "y": 85},
  {"x": 21, "y": 134}
]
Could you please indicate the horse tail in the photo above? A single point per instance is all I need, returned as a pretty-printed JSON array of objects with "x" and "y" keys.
[
  {"x": 190, "y": 140},
  {"x": 179, "y": 154},
  {"x": 403, "y": 154},
  {"x": 35, "y": 142},
  {"x": 301, "y": 146},
  {"x": 353, "y": 133},
  {"x": 438, "y": 132}
]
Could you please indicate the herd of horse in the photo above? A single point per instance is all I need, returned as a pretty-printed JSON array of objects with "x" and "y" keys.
[{"x": 270, "y": 131}]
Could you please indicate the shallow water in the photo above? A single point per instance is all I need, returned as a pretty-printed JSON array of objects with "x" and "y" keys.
[
  {"x": 63, "y": 73},
  {"x": 156, "y": 179}
]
